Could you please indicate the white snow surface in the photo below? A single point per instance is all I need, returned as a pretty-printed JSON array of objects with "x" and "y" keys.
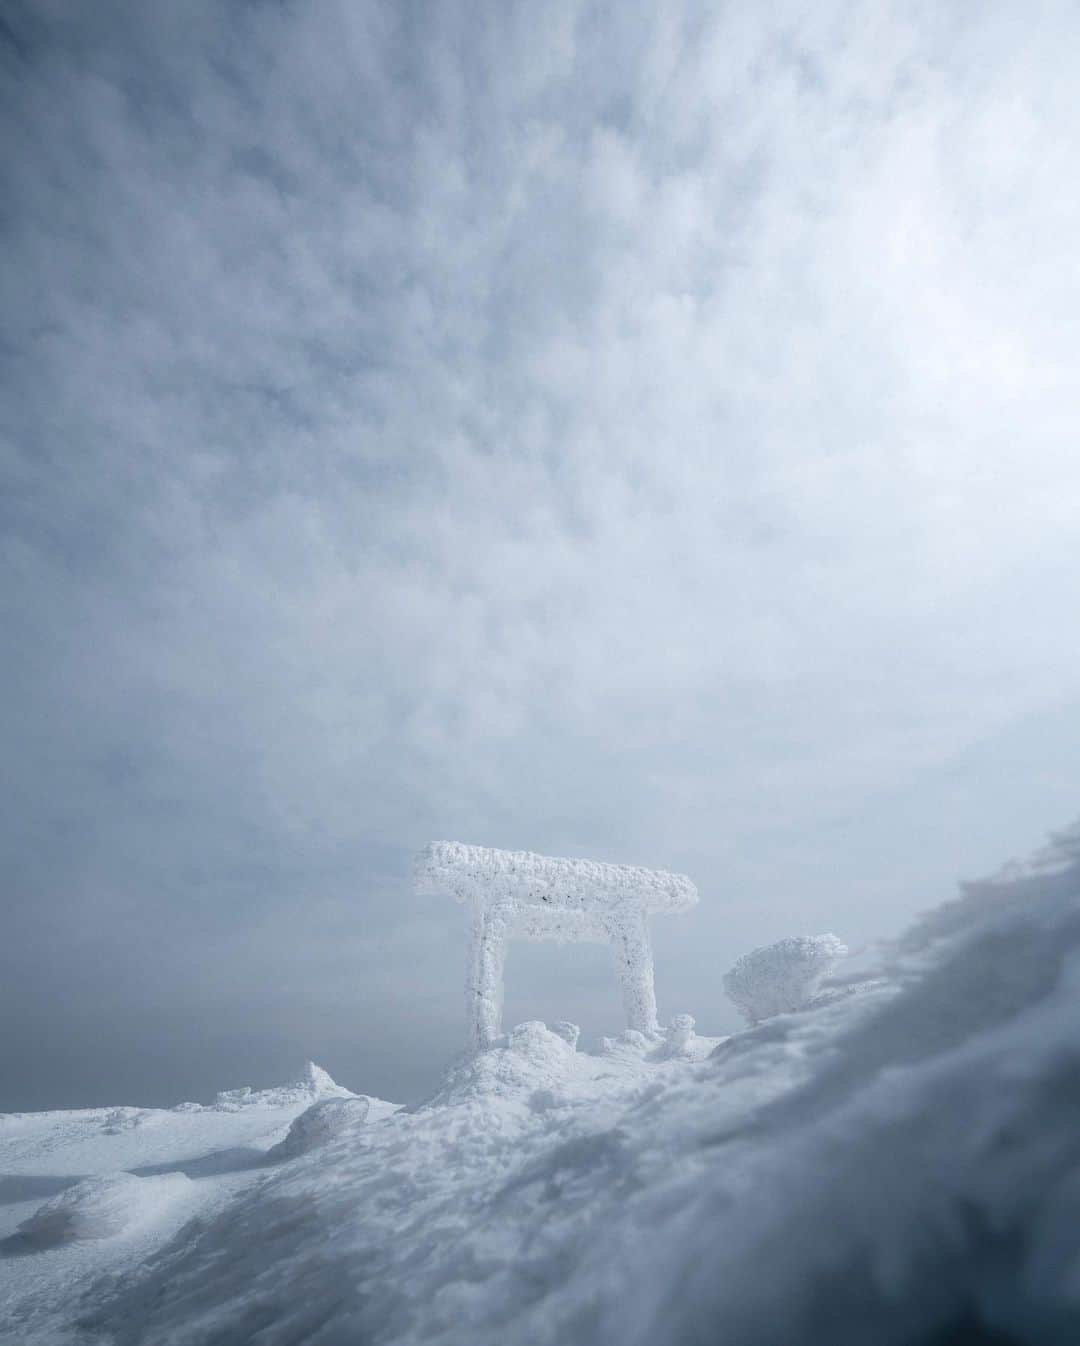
[
  {"x": 899, "y": 1164},
  {"x": 324, "y": 1120},
  {"x": 99, "y": 1207}
]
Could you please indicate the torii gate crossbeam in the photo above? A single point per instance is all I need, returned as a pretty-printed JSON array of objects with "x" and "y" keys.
[{"x": 516, "y": 894}]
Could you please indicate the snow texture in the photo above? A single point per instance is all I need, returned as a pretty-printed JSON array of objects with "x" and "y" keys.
[
  {"x": 100, "y": 1207},
  {"x": 783, "y": 977},
  {"x": 314, "y": 1083},
  {"x": 897, "y": 1165},
  {"x": 519, "y": 895}
]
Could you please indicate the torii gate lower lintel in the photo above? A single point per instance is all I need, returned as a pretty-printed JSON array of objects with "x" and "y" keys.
[{"x": 516, "y": 894}]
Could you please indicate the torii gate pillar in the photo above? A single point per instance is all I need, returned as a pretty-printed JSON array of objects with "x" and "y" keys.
[{"x": 515, "y": 894}]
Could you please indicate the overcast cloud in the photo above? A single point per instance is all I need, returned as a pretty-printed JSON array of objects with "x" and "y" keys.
[{"x": 643, "y": 432}]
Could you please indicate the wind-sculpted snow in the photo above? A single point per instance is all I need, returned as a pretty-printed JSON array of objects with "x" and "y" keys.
[
  {"x": 90, "y": 1195},
  {"x": 315, "y": 1083},
  {"x": 898, "y": 1166},
  {"x": 100, "y": 1207},
  {"x": 782, "y": 977}
]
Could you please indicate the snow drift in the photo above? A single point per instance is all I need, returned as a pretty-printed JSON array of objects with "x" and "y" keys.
[{"x": 100, "y": 1207}]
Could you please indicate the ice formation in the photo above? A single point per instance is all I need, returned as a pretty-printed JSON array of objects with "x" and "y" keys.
[
  {"x": 782, "y": 977},
  {"x": 519, "y": 895}
]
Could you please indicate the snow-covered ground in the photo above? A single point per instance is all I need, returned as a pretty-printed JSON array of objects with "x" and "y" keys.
[{"x": 899, "y": 1163}]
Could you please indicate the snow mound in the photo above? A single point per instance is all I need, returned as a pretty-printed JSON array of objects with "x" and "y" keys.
[
  {"x": 320, "y": 1123},
  {"x": 530, "y": 1057},
  {"x": 783, "y": 977},
  {"x": 100, "y": 1207}
]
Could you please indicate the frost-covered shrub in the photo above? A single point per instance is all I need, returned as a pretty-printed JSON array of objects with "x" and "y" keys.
[
  {"x": 100, "y": 1207},
  {"x": 782, "y": 977},
  {"x": 320, "y": 1123}
]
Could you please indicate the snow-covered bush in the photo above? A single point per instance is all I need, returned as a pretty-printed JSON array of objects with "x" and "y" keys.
[
  {"x": 320, "y": 1123},
  {"x": 99, "y": 1207},
  {"x": 782, "y": 977}
]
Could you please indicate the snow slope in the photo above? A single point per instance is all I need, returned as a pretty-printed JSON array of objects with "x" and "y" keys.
[
  {"x": 899, "y": 1164},
  {"x": 180, "y": 1165}
]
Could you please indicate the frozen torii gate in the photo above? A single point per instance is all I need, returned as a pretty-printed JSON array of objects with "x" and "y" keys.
[{"x": 518, "y": 895}]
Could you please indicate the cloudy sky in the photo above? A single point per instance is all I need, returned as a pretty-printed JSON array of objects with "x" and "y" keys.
[{"x": 640, "y": 432}]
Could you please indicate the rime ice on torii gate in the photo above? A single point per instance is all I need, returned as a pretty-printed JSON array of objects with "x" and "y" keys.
[{"x": 518, "y": 895}]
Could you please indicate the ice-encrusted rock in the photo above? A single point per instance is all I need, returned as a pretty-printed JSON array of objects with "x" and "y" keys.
[
  {"x": 320, "y": 1123},
  {"x": 783, "y": 977}
]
